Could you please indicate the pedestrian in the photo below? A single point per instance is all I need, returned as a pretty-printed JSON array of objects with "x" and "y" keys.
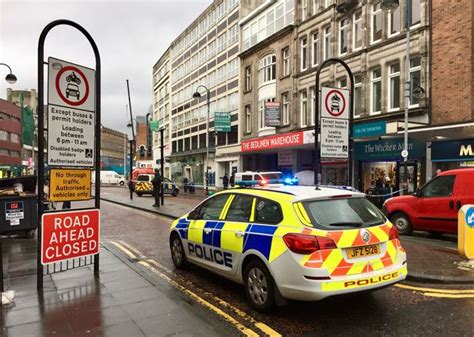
[
  {"x": 232, "y": 180},
  {"x": 157, "y": 187},
  {"x": 225, "y": 181},
  {"x": 185, "y": 183},
  {"x": 130, "y": 184}
]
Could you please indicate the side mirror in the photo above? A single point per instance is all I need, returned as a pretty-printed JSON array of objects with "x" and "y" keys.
[{"x": 193, "y": 215}]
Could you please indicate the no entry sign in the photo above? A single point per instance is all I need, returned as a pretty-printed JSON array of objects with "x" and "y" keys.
[
  {"x": 335, "y": 103},
  {"x": 67, "y": 235}
]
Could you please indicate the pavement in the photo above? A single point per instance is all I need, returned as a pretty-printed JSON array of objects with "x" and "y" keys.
[
  {"x": 121, "y": 301},
  {"x": 430, "y": 259}
]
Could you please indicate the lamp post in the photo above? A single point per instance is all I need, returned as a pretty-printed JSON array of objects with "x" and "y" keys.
[
  {"x": 130, "y": 125},
  {"x": 390, "y": 5},
  {"x": 208, "y": 95},
  {"x": 10, "y": 78}
]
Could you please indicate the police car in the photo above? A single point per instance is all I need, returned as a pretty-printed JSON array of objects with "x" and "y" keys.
[
  {"x": 291, "y": 242},
  {"x": 144, "y": 185}
]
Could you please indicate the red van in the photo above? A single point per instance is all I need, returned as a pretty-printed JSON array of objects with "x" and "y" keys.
[{"x": 434, "y": 207}]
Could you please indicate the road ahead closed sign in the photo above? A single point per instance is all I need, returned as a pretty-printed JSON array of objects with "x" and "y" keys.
[
  {"x": 68, "y": 235},
  {"x": 71, "y": 114}
]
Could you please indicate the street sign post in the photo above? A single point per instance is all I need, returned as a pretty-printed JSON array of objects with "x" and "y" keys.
[
  {"x": 334, "y": 123},
  {"x": 68, "y": 235},
  {"x": 73, "y": 141}
]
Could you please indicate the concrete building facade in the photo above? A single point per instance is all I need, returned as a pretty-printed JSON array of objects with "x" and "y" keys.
[
  {"x": 10, "y": 139},
  {"x": 114, "y": 150}
]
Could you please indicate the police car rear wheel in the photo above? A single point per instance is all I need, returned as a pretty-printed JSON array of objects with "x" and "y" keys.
[
  {"x": 177, "y": 251},
  {"x": 259, "y": 286}
]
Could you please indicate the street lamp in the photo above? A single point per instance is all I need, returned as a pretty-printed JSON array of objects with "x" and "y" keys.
[
  {"x": 10, "y": 78},
  {"x": 392, "y": 5},
  {"x": 197, "y": 95},
  {"x": 130, "y": 125}
]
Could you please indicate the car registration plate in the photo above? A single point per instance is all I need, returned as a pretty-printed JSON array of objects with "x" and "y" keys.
[{"x": 356, "y": 252}]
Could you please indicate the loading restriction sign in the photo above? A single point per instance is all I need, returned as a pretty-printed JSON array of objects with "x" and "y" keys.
[{"x": 71, "y": 114}]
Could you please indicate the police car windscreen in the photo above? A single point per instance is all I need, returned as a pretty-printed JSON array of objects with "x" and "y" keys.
[
  {"x": 142, "y": 178},
  {"x": 334, "y": 214}
]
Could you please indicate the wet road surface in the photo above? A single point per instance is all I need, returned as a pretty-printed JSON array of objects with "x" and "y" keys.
[{"x": 394, "y": 311}]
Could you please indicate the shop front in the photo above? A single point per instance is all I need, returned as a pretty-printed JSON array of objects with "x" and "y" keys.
[
  {"x": 380, "y": 168},
  {"x": 452, "y": 154}
]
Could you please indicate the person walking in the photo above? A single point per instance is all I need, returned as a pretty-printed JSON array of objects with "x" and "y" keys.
[
  {"x": 225, "y": 181},
  {"x": 157, "y": 180},
  {"x": 232, "y": 180}
]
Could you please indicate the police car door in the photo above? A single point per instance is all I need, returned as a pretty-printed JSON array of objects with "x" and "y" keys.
[
  {"x": 232, "y": 234},
  {"x": 202, "y": 247}
]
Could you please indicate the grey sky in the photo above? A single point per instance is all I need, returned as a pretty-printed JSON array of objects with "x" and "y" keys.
[{"x": 131, "y": 36}]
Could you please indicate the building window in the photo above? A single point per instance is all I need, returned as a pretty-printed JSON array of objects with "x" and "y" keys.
[
  {"x": 233, "y": 34},
  {"x": 303, "y": 108},
  {"x": 286, "y": 61},
  {"x": 342, "y": 83},
  {"x": 394, "y": 21},
  {"x": 303, "y": 53},
  {"x": 315, "y": 49},
  {"x": 357, "y": 31},
  {"x": 327, "y": 43},
  {"x": 357, "y": 95},
  {"x": 394, "y": 86},
  {"x": 415, "y": 80},
  {"x": 376, "y": 29},
  {"x": 14, "y": 154},
  {"x": 315, "y": 6},
  {"x": 327, "y": 3},
  {"x": 343, "y": 28},
  {"x": 313, "y": 107},
  {"x": 415, "y": 12},
  {"x": 221, "y": 42},
  {"x": 211, "y": 50},
  {"x": 376, "y": 91},
  {"x": 304, "y": 9},
  {"x": 267, "y": 69},
  {"x": 14, "y": 138},
  {"x": 248, "y": 119},
  {"x": 248, "y": 78},
  {"x": 4, "y": 152},
  {"x": 4, "y": 135},
  {"x": 285, "y": 115}
]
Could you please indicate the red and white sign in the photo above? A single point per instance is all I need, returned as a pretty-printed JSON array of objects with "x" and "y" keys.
[
  {"x": 335, "y": 103},
  {"x": 68, "y": 235},
  {"x": 288, "y": 139},
  {"x": 71, "y": 85}
]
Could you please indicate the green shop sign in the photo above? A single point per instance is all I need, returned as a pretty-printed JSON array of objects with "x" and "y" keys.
[
  {"x": 390, "y": 149},
  {"x": 222, "y": 121}
]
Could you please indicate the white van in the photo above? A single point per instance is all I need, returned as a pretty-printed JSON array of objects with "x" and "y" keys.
[
  {"x": 261, "y": 177},
  {"x": 109, "y": 177}
]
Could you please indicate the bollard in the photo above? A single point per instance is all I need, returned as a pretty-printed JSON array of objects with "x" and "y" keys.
[{"x": 466, "y": 235}]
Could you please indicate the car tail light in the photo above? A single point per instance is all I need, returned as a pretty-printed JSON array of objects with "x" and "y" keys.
[
  {"x": 307, "y": 244},
  {"x": 393, "y": 233}
]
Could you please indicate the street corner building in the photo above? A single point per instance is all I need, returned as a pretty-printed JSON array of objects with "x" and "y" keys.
[
  {"x": 258, "y": 60},
  {"x": 10, "y": 139}
]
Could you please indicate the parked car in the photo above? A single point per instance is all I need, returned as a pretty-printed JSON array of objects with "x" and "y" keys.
[
  {"x": 144, "y": 185},
  {"x": 434, "y": 207}
]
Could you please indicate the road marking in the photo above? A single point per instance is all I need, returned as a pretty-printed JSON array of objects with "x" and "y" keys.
[
  {"x": 449, "y": 295},
  {"x": 435, "y": 290},
  {"x": 133, "y": 253}
]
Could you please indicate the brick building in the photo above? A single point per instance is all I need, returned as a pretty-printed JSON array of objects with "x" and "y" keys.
[
  {"x": 143, "y": 143},
  {"x": 10, "y": 139}
]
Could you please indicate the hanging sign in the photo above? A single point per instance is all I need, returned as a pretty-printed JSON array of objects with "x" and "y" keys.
[
  {"x": 71, "y": 114},
  {"x": 334, "y": 123}
]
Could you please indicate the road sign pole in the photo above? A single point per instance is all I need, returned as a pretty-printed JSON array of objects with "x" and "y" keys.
[
  {"x": 317, "y": 154},
  {"x": 162, "y": 162},
  {"x": 41, "y": 129}
]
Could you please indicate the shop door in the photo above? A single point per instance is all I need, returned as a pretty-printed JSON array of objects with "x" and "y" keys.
[{"x": 412, "y": 176}]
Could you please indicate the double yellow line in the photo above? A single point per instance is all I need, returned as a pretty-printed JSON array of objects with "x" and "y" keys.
[
  {"x": 441, "y": 293},
  {"x": 160, "y": 270}
]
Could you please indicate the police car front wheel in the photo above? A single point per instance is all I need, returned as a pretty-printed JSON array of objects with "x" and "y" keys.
[
  {"x": 177, "y": 251},
  {"x": 259, "y": 286}
]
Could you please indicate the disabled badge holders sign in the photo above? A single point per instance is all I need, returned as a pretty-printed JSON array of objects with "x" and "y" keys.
[
  {"x": 334, "y": 123},
  {"x": 466, "y": 231},
  {"x": 71, "y": 114}
]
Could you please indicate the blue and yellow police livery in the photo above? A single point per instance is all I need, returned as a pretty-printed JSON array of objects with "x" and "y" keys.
[{"x": 291, "y": 242}]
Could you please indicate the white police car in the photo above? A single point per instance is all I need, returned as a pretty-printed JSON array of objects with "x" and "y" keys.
[{"x": 291, "y": 242}]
